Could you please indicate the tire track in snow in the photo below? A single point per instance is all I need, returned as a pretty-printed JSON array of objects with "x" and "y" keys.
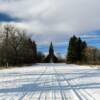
[
  {"x": 85, "y": 94},
  {"x": 69, "y": 85},
  {"x": 82, "y": 93},
  {"x": 61, "y": 90},
  {"x": 35, "y": 82},
  {"x": 33, "y": 94},
  {"x": 79, "y": 94},
  {"x": 11, "y": 97},
  {"x": 53, "y": 91},
  {"x": 43, "y": 94}
]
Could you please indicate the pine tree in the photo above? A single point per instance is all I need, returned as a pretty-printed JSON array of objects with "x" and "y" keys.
[
  {"x": 79, "y": 49},
  {"x": 51, "y": 50},
  {"x": 34, "y": 47},
  {"x": 72, "y": 51},
  {"x": 51, "y": 56},
  {"x": 76, "y": 50},
  {"x": 83, "y": 52}
]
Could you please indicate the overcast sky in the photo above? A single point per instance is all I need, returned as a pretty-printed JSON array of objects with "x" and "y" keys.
[{"x": 54, "y": 20}]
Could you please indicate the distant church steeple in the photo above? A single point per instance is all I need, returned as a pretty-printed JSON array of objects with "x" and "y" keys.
[{"x": 51, "y": 56}]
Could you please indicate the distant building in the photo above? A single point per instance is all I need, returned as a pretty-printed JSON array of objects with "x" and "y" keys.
[{"x": 51, "y": 58}]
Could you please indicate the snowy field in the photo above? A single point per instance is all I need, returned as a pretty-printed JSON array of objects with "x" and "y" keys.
[{"x": 50, "y": 82}]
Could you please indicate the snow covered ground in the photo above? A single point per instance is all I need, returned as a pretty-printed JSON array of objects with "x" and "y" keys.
[{"x": 50, "y": 82}]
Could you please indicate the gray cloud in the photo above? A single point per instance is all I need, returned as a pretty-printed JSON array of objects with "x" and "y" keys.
[{"x": 53, "y": 20}]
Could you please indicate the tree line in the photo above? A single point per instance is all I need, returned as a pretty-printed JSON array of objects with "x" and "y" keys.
[
  {"x": 80, "y": 53},
  {"x": 17, "y": 48}
]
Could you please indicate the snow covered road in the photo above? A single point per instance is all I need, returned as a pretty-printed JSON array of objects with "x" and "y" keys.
[{"x": 50, "y": 82}]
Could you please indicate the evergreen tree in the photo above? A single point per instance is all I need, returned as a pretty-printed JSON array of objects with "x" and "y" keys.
[
  {"x": 83, "y": 52},
  {"x": 51, "y": 56},
  {"x": 79, "y": 49},
  {"x": 76, "y": 50},
  {"x": 72, "y": 51},
  {"x": 51, "y": 50}
]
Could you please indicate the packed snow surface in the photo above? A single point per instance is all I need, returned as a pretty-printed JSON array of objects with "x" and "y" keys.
[{"x": 50, "y": 82}]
